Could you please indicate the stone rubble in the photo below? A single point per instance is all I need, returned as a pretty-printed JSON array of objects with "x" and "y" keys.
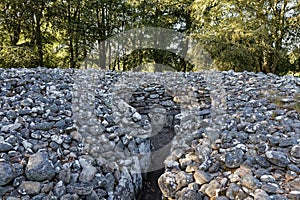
[
  {"x": 87, "y": 134},
  {"x": 250, "y": 144}
]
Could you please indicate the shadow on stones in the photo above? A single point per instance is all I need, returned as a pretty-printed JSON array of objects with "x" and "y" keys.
[{"x": 151, "y": 190}]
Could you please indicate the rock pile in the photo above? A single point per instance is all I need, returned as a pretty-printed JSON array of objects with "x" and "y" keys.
[
  {"x": 250, "y": 146},
  {"x": 71, "y": 134}
]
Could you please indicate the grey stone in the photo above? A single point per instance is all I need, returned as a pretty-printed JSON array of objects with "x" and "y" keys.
[
  {"x": 271, "y": 188},
  {"x": 232, "y": 191},
  {"x": 124, "y": 190},
  {"x": 44, "y": 126},
  {"x": 267, "y": 178},
  {"x": 294, "y": 168},
  {"x": 39, "y": 196},
  {"x": 5, "y": 146},
  {"x": 212, "y": 188},
  {"x": 59, "y": 189},
  {"x": 187, "y": 194},
  {"x": 295, "y": 184},
  {"x": 278, "y": 197},
  {"x": 262, "y": 161},
  {"x": 92, "y": 196},
  {"x": 294, "y": 195},
  {"x": 66, "y": 197},
  {"x": 287, "y": 142},
  {"x": 11, "y": 127},
  {"x": 76, "y": 136},
  {"x": 47, "y": 187},
  {"x": 183, "y": 179},
  {"x": 167, "y": 184},
  {"x": 295, "y": 151},
  {"x": 249, "y": 181},
  {"x": 39, "y": 167},
  {"x": 260, "y": 194},
  {"x": 136, "y": 116},
  {"x": 202, "y": 177},
  {"x": 29, "y": 187},
  {"x": 109, "y": 187},
  {"x": 13, "y": 198},
  {"x": 83, "y": 188},
  {"x": 234, "y": 159},
  {"x": 7, "y": 173},
  {"x": 65, "y": 175},
  {"x": 4, "y": 190},
  {"x": 87, "y": 174},
  {"x": 204, "y": 112},
  {"x": 277, "y": 158},
  {"x": 251, "y": 128}
]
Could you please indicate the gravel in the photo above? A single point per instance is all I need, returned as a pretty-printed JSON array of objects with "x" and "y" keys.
[{"x": 88, "y": 134}]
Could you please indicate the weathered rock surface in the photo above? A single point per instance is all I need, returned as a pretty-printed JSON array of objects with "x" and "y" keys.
[
  {"x": 254, "y": 135},
  {"x": 65, "y": 137}
]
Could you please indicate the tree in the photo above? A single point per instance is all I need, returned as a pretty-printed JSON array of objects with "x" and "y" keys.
[{"x": 246, "y": 35}]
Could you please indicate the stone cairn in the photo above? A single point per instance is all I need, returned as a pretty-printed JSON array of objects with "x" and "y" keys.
[
  {"x": 87, "y": 134},
  {"x": 250, "y": 146}
]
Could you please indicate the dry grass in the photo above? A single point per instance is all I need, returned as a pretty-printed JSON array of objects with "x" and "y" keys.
[{"x": 277, "y": 100}]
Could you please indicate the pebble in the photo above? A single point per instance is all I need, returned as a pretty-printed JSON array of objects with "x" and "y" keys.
[
  {"x": 277, "y": 158},
  {"x": 83, "y": 188},
  {"x": 87, "y": 174},
  {"x": 212, "y": 188},
  {"x": 294, "y": 195},
  {"x": 39, "y": 167},
  {"x": 202, "y": 177},
  {"x": 59, "y": 189},
  {"x": 183, "y": 179},
  {"x": 29, "y": 187},
  {"x": 295, "y": 184},
  {"x": 5, "y": 146},
  {"x": 260, "y": 194},
  {"x": 7, "y": 172},
  {"x": 234, "y": 159},
  {"x": 271, "y": 188},
  {"x": 232, "y": 139}
]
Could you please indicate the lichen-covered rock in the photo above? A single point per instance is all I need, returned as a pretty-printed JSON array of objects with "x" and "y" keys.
[{"x": 167, "y": 184}]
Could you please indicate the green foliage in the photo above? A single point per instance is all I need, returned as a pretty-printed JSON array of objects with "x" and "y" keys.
[
  {"x": 142, "y": 57},
  {"x": 238, "y": 34},
  {"x": 247, "y": 35},
  {"x": 18, "y": 57}
]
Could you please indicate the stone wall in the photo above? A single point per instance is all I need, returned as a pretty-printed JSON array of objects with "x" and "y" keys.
[
  {"x": 69, "y": 134},
  {"x": 249, "y": 148}
]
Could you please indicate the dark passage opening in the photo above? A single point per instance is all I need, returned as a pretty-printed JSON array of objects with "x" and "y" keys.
[
  {"x": 151, "y": 190},
  {"x": 157, "y": 106}
]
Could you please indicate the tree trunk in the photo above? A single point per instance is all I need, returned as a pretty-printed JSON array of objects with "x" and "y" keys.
[
  {"x": 38, "y": 34},
  {"x": 70, "y": 33},
  {"x": 39, "y": 43}
]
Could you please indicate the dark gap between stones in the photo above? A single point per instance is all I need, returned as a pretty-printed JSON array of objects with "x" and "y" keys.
[
  {"x": 151, "y": 190},
  {"x": 147, "y": 99}
]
